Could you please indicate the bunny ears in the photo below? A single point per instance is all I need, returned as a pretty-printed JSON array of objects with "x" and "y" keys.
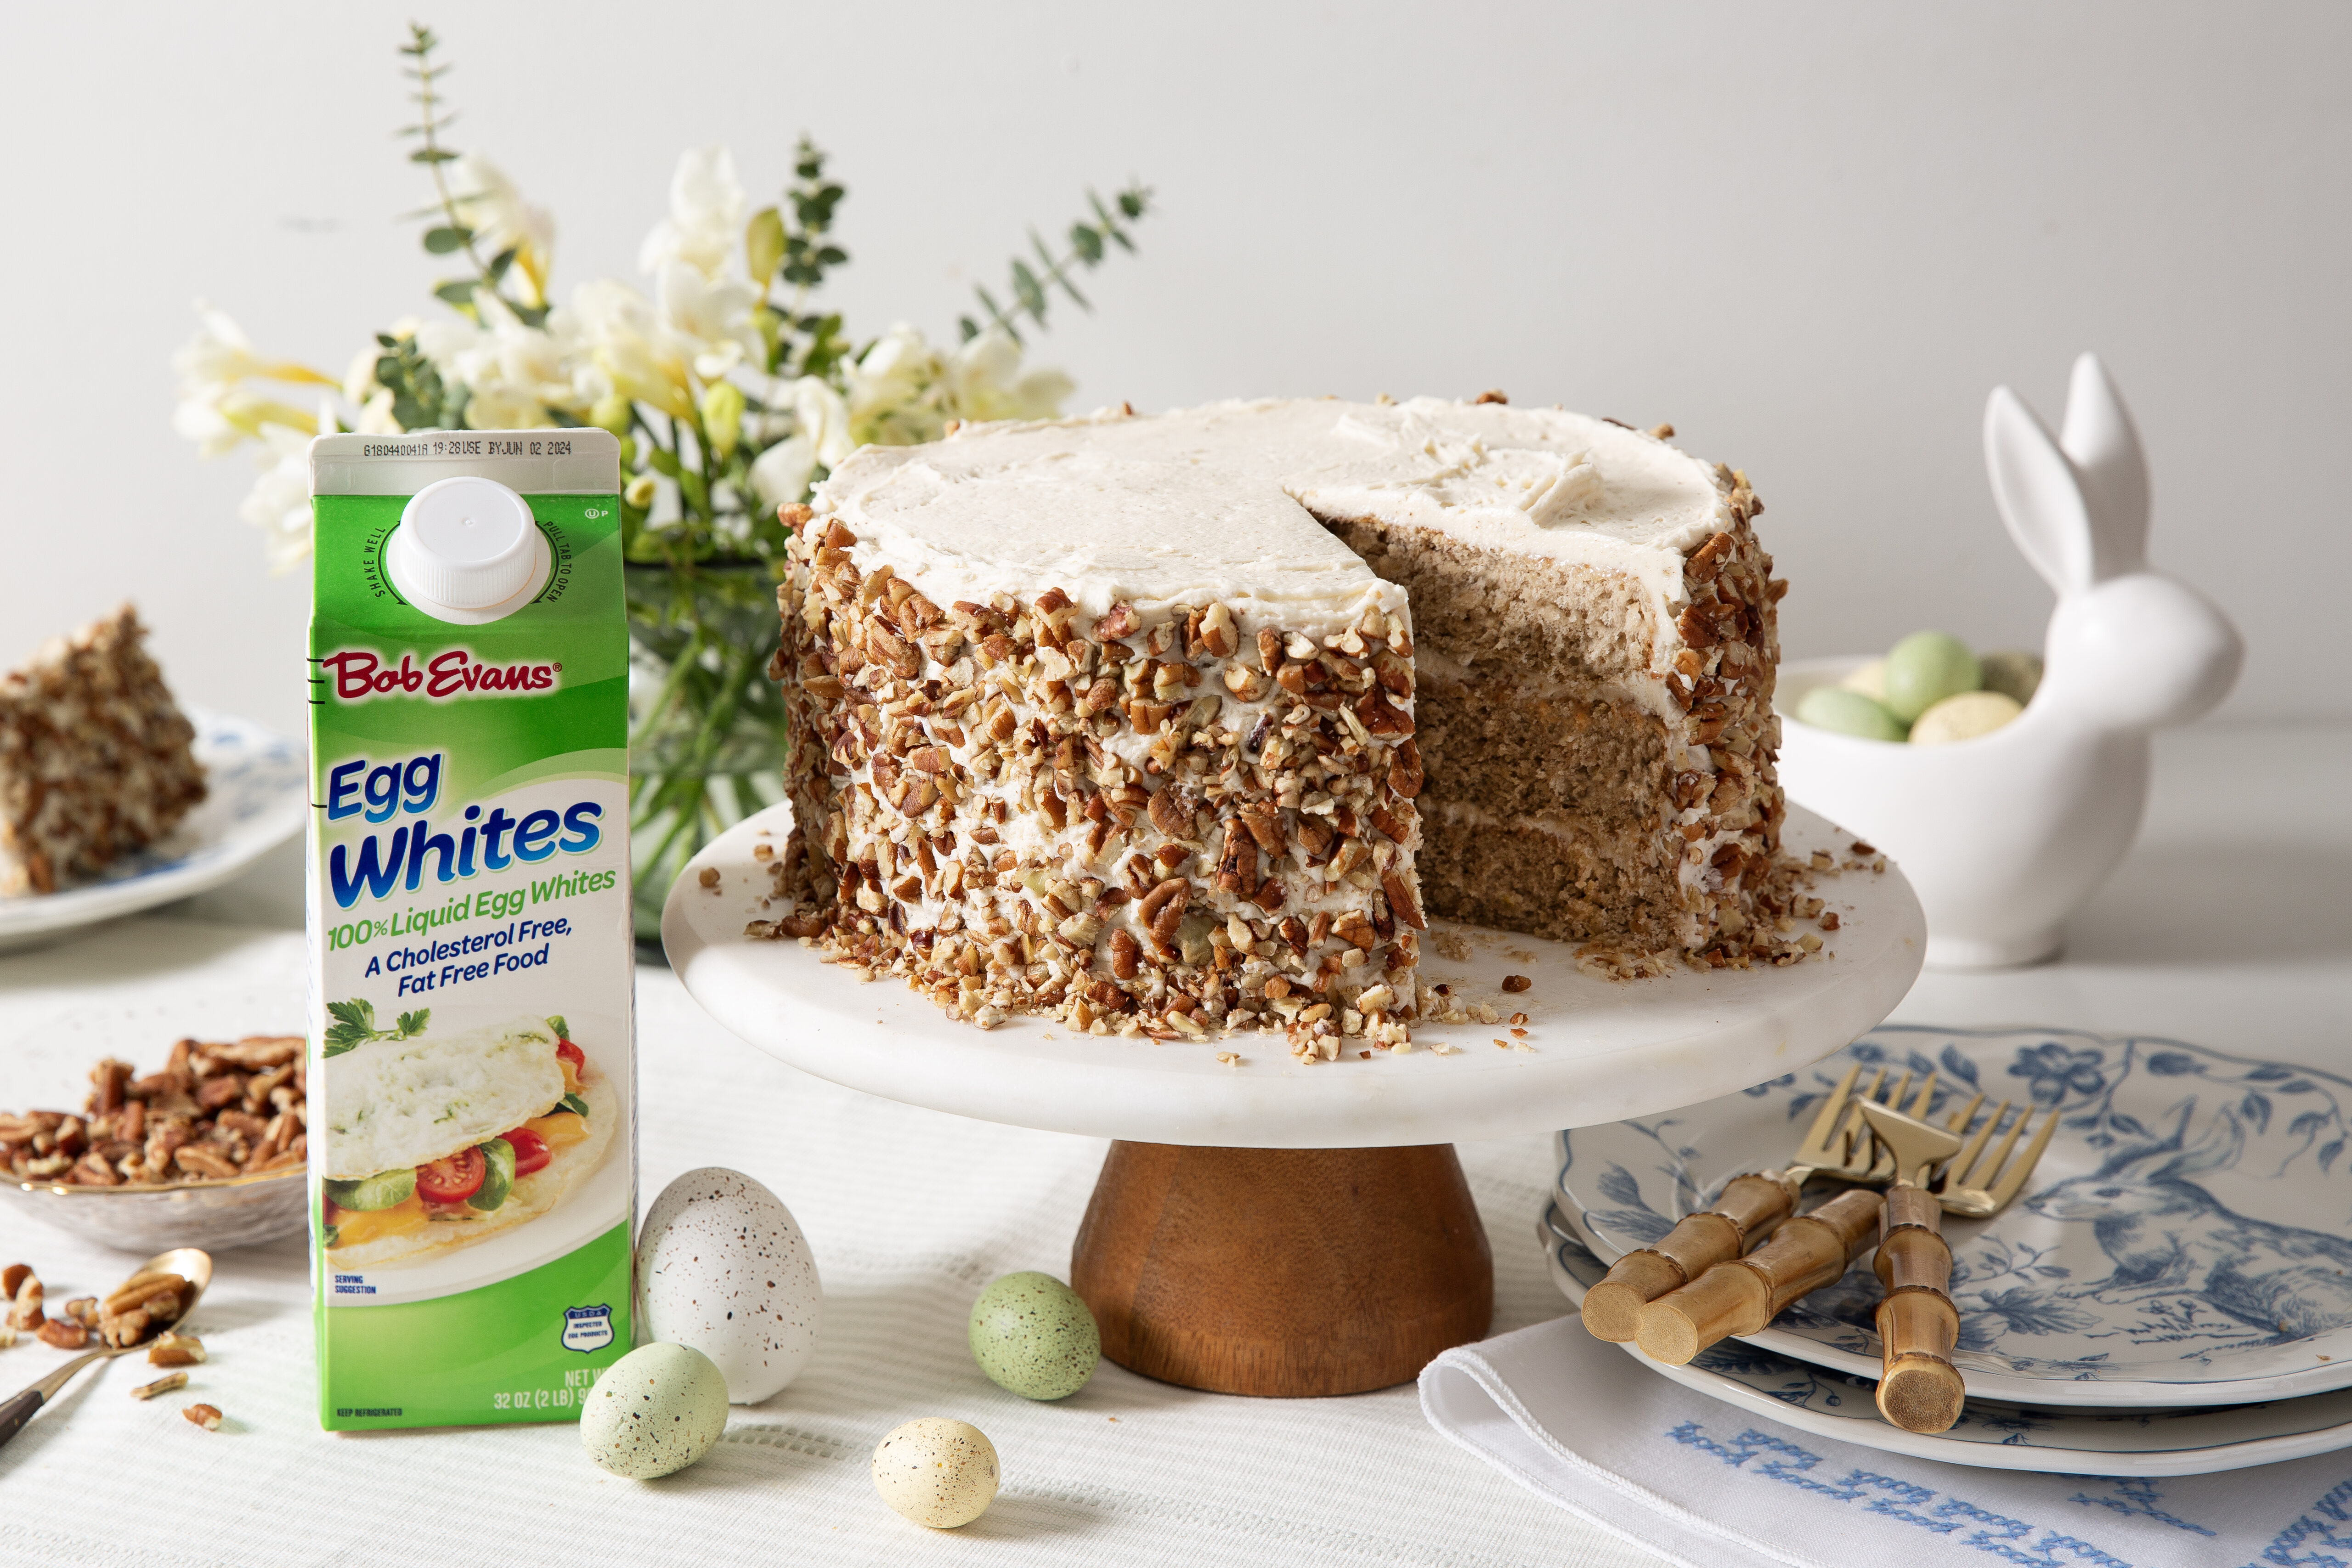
[{"x": 2076, "y": 505}]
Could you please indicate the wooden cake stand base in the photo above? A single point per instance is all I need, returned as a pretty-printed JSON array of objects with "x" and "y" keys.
[{"x": 1285, "y": 1272}]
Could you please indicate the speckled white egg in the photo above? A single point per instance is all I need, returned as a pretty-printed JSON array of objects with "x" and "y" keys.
[
  {"x": 722, "y": 1267},
  {"x": 657, "y": 1409},
  {"x": 937, "y": 1471}
]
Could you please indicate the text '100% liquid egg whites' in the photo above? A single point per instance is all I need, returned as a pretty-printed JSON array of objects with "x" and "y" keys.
[{"x": 722, "y": 1267}]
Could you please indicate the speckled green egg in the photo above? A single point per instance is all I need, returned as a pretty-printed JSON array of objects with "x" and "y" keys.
[
  {"x": 1925, "y": 668},
  {"x": 1033, "y": 1336},
  {"x": 937, "y": 1471},
  {"x": 1848, "y": 713},
  {"x": 658, "y": 1409},
  {"x": 2014, "y": 673}
]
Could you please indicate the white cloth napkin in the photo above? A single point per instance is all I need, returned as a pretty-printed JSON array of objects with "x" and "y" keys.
[{"x": 1584, "y": 1425}]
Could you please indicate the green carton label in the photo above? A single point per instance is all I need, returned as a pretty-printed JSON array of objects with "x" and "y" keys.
[{"x": 471, "y": 1129}]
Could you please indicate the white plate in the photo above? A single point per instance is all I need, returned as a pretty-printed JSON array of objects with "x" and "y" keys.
[
  {"x": 1602, "y": 1049},
  {"x": 257, "y": 787},
  {"x": 1990, "y": 1433},
  {"x": 2182, "y": 1241}
]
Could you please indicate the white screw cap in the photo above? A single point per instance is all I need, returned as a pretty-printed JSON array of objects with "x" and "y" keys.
[{"x": 467, "y": 542}]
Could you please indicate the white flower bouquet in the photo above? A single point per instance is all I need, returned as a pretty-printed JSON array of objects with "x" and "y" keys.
[{"x": 731, "y": 391}]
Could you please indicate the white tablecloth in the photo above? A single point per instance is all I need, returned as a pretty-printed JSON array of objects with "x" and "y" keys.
[
  {"x": 2226, "y": 927},
  {"x": 909, "y": 1213}
]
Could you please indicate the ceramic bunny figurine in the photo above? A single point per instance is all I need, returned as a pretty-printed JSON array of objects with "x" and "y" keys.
[{"x": 2005, "y": 834}]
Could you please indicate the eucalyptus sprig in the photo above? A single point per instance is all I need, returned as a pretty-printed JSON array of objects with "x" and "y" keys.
[
  {"x": 798, "y": 251},
  {"x": 452, "y": 233},
  {"x": 1032, "y": 291},
  {"x": 354, "y": 1026}
]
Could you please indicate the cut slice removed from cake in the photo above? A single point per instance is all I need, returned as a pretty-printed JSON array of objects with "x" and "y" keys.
[{"x": 96, "y": 760}]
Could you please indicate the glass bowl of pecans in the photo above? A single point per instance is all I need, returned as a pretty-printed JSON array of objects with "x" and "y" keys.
[{"x": 207, "y": 1153}]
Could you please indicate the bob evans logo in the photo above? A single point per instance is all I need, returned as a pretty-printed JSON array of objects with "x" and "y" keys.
[{"x": 359, "y": 675}]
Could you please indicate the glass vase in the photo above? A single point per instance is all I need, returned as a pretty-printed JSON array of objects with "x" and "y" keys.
[{"x": 705, "y": 723}]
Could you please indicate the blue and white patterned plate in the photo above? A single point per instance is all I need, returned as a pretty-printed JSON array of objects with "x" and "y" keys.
[
  {"x": 256, "y": 789},
  {"x": 2187, "y": 1239},
  {"x": 1990, "y": 1433}
]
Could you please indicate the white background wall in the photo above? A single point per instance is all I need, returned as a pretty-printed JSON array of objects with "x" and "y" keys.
[{"x": 1812, "y": 236}]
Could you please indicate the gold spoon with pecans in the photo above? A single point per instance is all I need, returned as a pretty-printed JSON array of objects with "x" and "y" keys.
[{"x": 183, "y": 1271}]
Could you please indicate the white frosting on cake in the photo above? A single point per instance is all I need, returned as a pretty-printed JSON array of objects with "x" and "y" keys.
[{"x": 1218, "y": 503}]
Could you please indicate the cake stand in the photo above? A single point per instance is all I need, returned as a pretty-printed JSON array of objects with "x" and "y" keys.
[{"x": 1265, "y": 1227}]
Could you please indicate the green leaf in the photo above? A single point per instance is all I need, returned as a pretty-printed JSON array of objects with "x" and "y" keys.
[
  {"x": 662, "y": 462},
  {"x": 441, "y": 241},
  {"x": 412, "y": 1023},
  {"x": 432, "y": 155},
  {"x": 358, "y": 1012},
  {"x": 575, "y": 1104},
  {"x": 968, "y": 327},
  {"x": 497, "y": 1175},
  {"x": 501, "y": 262},
  {"x": 763, "y": 244},
  {"x": 460, "y": 292},
  {"x": 562, "y": 1030},
  {"x": 1087, "y": 243},
  {"x": 1025, "y": 284}
]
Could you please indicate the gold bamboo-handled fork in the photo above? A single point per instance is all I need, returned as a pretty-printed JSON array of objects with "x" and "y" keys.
[
  {"x": 1749, "y": 1210},
  {"x": 1919, "y": 1389},
  {"x": 1739, "y": 1295}
]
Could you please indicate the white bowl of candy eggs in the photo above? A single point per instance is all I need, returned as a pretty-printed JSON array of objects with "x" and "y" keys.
[{"x": 2009, "y": 791}]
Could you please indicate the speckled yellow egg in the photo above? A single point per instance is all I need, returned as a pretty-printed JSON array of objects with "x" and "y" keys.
[
  {"x": 1033, "y": 1336},
  {"x": 658, "y": 1409},
  {"x": 1964, "y": 718},
  {"x": 937, "y": 1471}
]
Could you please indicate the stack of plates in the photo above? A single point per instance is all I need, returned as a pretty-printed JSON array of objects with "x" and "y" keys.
[{"x": 2171, "y": 1294}]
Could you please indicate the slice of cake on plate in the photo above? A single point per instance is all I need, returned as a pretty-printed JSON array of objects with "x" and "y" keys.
[
  {"x": 95, "y": 757},
  {"x": 1180, "y": 723}
]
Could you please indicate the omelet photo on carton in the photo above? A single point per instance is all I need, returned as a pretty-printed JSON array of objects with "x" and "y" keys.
[
  {"x": 438, "y": 1141},
  {"x": 472, "y": 1068}
]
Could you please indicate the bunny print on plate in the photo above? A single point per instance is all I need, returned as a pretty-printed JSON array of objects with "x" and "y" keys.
[
  {"x": 2006, "y": 835},
  {"x": 2182, "y": 1242}
]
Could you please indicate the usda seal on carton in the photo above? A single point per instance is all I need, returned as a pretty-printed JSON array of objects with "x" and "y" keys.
[{"x": 473, "y": 1071}]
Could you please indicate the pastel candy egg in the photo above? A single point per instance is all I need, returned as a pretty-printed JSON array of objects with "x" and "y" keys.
[
  {"x": 656, "y": 1410},
  {"x": 1964, "y": 718},
  {"x": 937, "y": 1471},
  {"x": 722, "y": 1267},
  {"x": 1033, "y": 1336},
  {"x": 1870, "y": 680},
  {"x": 1849, "y": 713},
  {"x": 1925, "y": 668},
  {"x": 2014, "y": 672}
]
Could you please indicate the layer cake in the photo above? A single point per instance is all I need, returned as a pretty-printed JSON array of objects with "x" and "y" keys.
[{"x": 1184, "y": 722}]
